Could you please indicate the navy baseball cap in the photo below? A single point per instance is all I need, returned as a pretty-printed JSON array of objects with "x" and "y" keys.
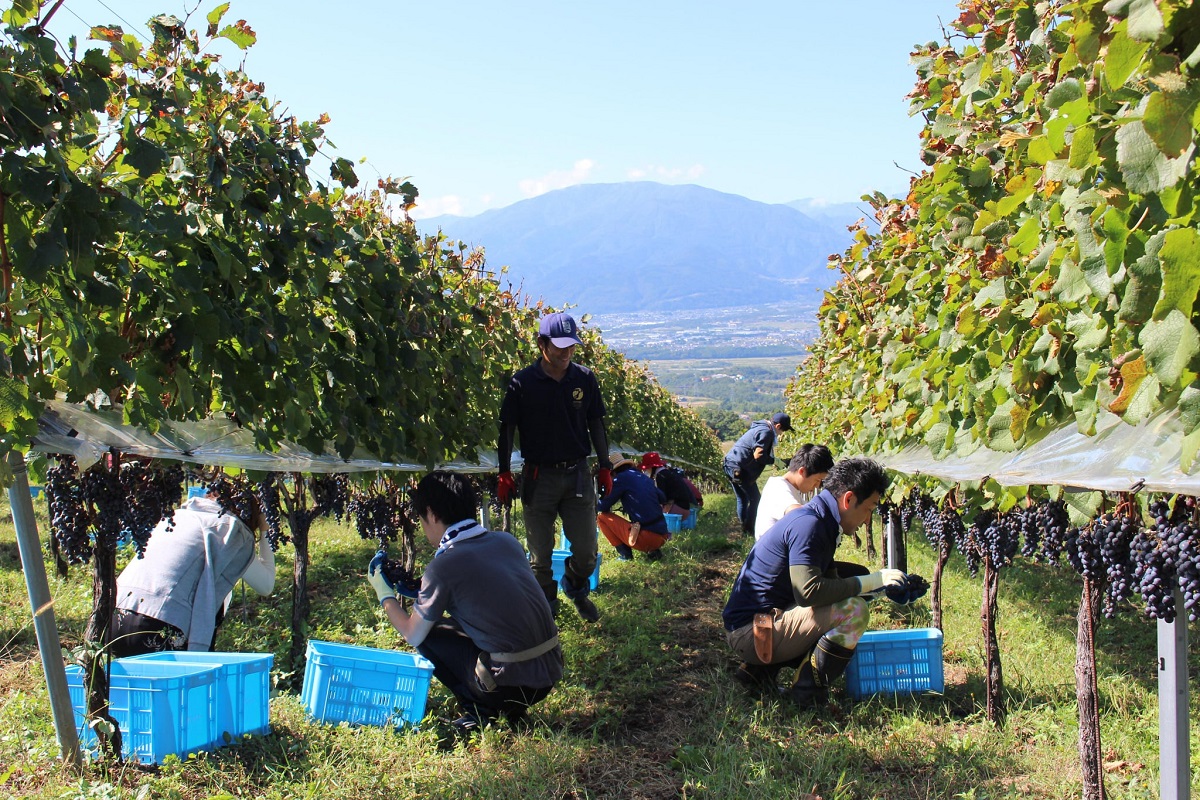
[
  {"x": 783, "y": 421},
  {"x": 561, "y": 329}
]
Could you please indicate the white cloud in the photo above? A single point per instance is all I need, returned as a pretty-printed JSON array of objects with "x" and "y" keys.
[
  {"x": 658, "y": 172},
  {"x": 437, "y": 206},
  {"x": 558, "y": 179}
]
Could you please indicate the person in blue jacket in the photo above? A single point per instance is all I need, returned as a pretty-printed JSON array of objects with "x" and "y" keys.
[
  {"x": 746, "y": 460},
  {"x": 646, "y": 528}
]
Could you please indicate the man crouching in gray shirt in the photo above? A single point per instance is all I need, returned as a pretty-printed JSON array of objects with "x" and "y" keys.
[{"x": 498, "y": 651}]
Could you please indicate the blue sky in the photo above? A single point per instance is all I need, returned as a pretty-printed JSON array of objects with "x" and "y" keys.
[{"x": 482, "y": 104}]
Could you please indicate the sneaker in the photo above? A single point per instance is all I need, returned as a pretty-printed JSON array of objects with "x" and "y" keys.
[
  {"x": 587, "y": 609},
  {"x": 654, "y": 555},
  {"x": 624, "y": 552}
]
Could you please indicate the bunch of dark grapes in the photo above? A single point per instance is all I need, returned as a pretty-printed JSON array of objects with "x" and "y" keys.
[
  {"x": 267, "y": 492},
  {"x": 1083, "y": 551},
  {"x": 1116, "y": 534},
  {"x": 1182, "y": 544},
  {"x": 971, "y": 540},
  {"x": 1026, "y": 522},
  {"x": 999, "y": 540},
  {"x": 1053, "y": 522},
  {"x": 331, "y": 495},
  {"x": 908, "y": 510},
  {"x": 374, "y": 516},
  {"x": 104, "y": 495},
  {"x": 235, "y": 495},
  {"x": 151, "y": 494},
  {"x": 940, "y": 525},
  {"x": 1155, "y": 572},
  {"x": 69, "y": 518},
  {"x": 401, "y": 578}
]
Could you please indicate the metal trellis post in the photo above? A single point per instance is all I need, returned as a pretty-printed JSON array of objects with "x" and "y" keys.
[{"x": 49, "y": 646}]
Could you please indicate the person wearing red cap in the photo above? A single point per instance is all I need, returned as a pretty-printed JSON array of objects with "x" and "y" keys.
[
  {"x": 555, "y": 407},
  {"x": 672, "y": 483},
  {"x": 646, "y": 527}
]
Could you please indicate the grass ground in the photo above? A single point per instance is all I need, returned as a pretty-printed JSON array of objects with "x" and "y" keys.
[{"x": 647, "y": 708}]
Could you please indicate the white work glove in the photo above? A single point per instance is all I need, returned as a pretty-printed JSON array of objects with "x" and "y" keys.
[
  {"x": 881, "y": 580},
  {"x": 383, "y": 590}
]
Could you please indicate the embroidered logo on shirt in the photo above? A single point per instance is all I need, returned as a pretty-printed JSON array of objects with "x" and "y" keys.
[{"x": 577, "y": 394}]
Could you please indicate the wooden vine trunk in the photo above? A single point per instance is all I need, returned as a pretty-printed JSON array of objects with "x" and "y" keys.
[
  {"x": 97, "y": 636},
  {"x": 991, "y": 645},
  {"x": 299, "y": 527},
  {"x": 935, "y": 585},
  {"x": 1087, "y": 693}
]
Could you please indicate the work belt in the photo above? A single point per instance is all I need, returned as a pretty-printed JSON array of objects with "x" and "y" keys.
[
  {"x": 484, "y": 675},
  {"x": 572, "y": 464}
]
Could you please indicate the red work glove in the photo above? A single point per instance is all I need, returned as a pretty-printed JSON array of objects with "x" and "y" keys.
[
  {"x": 604, "y": 480},
  {"x": 506, "y": 487}
]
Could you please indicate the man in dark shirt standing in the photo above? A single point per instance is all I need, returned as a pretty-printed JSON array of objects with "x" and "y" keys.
[
  {"x": 746, "y": 460},
  {"x": 555, "y": 407}
]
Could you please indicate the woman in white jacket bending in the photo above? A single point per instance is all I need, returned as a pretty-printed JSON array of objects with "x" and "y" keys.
[{"x": 172, "y": 597}]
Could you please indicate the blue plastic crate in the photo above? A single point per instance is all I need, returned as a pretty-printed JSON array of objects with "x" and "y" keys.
[
  {"x": 196, "y": 491},
  {"x": 560, "y": 566},
  {"x": 896, "y": 662},
  {"x": 674, "y": 521},
  {"x": 689, "y": 523},
  {"x": 243, "y": 689},
  {"x": 364, "y": 685},
  {"x": 161, "y": 708}
]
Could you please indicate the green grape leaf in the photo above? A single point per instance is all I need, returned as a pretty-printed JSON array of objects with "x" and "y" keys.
[
  {"x": 1071, "y": 286},
  {"x": 1040, "y": 150},
  {"x": 1180, "y": 262},
  {"x": 1168, "y": 121},
  {"x": 145, "y": 156},
  {"x": 1064, "y": 91},
  {"x": 1145, "y": 282},
  {"x": 215, "y": 15},
  {"x": 1092, "y": 262},
  {"x": 1124, "y": 55},
  {"x": 1083, "y": 147},
  {"x": 14, "y": 397},
  {"x": 1144, "y": 167},
  {"x": 1082, "y": 506},
  {"x": 1170, "y": 345},
  {"x": 1189, "y": 418},
  {"x": 1145, "y": 20},
  {"x": 240, "y": 34}
]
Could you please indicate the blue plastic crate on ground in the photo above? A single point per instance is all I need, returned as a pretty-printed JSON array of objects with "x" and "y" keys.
[
  {"x": 674, "y": 521},
  {"x": 689, "y": 524},
  {"x": 560, "y": 566},
  {"x": 243, "y": 689},
  {"x": 364, "y": 685},
  {"x": 196, "y": 491},
  {"x": 896, "y": 662},
  {"x": 161, "y": 708}
]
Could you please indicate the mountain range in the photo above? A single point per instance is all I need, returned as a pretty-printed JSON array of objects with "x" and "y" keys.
[{"x": 644, "y": 246}]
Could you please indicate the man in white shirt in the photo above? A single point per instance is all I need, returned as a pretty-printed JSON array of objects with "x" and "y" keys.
[{"x": 782, "y": 493}]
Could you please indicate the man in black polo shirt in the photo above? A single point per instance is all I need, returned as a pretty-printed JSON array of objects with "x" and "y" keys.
[{"x": 556, "y": 409}]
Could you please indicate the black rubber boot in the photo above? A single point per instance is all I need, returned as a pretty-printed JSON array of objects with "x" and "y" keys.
[{"x": 825, "y": 664}]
